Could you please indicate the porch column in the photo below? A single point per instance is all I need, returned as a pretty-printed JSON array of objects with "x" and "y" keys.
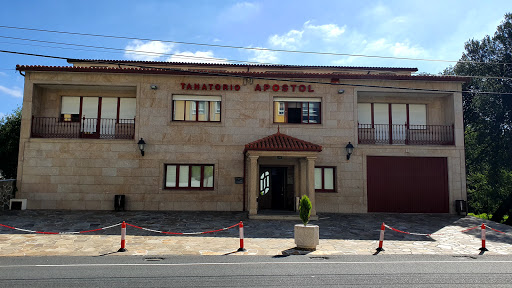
[
  {"x": 311, "y": 183},
  {"x": 253, "y": 185},
  {"x": 303, "y": 187}
]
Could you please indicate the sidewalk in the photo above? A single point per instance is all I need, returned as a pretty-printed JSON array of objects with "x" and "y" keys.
[{"x": 340, "y": 234}]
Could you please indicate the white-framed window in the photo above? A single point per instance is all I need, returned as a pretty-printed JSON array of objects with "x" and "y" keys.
[
  {"x": 196, "y": 108},
  {"x": 325, "y": 179},
  {"x": 189, "y": 176},
  {"x": 297, "y": 110}
]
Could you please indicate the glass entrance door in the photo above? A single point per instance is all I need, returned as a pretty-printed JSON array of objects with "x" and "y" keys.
[{"x": 274, "y": 192}]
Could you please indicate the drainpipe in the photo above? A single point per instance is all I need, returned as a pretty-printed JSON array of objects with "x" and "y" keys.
[{"x": 245, "y": 183}]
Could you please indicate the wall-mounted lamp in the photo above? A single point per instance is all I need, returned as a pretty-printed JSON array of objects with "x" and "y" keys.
[
  {"x": 350, "y": 149},
  {"x": 153, "y": 87},
  {"x": 341, "y": 91},
  {"x": 141, "y": 146}
]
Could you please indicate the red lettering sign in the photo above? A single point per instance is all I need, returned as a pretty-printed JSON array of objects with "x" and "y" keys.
[
  {"x": 210, "y": 86},
  {"x": 284, "y": 88}
]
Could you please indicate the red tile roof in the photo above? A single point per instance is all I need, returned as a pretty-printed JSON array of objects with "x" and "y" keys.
[
  {"x": 282, "y": 142},
  {"x": 255, "y": 75},
  {"x": 100, "y": 61}
]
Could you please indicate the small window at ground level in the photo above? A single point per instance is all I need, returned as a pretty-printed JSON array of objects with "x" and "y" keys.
[
  {"x": 194, "y": 176},
  {"x": 325, "y": 179}
]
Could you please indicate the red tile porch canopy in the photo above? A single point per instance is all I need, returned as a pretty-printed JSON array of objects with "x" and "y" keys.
[{"x": 282, "y": 142}]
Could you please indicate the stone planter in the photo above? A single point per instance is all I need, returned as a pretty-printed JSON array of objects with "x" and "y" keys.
[{"x": 307, "y": 237}]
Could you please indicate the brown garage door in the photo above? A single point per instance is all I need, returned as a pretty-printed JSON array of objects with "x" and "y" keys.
[{"x": 407, "y": 184}]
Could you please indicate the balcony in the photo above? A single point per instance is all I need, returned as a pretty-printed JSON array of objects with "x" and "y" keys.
[
  {"x": 55, "y": 127},
  {"x": 386, "y": 134}
]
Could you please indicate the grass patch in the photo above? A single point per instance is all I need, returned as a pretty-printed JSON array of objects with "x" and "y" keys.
[{"x": 487, "y": 216}]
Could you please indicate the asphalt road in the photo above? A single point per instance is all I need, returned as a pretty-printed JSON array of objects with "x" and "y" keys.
[{"x": 257, "y": 271}]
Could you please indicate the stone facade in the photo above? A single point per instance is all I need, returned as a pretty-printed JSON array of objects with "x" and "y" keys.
[{"x": 85, "y": 174}]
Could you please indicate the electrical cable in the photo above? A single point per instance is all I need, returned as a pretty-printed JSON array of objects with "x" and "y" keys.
[
  {"x": 242, "y": 47},
  {"x": 263, "y": 78},
  {"x": 154, "y": 53},
  {"x": 118, "y": 50}
]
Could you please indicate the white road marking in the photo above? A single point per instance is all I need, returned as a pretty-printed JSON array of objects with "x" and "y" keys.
[{"x": 243, "y": 263}]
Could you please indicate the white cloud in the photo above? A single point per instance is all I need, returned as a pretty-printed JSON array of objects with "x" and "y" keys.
[
  {"x": 196, "y": 57},
  {"x": 240, "y": 12},
  {"x": 294, "y": 39},
  {"x": 2, "y": 115},
  {"x": 328, "y": 32},
  {"x": 378, "y": 10},
  {"x": 382, "y": 47},
  {"x": 244, "y": 6},
  {"x": 264, "y": 57},
  {"x": 3, "y": 74},
  {"x": 398, "y": 49},
  {"x": 147, "y": 51},
  {"x": 14, "y": 92},
  {"x": 290, "y": 40}
]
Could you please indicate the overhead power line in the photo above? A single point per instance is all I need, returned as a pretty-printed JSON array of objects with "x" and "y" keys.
[
  {"x": 218, "y": 60},
  {"x": 261, "y": 78},
  {"x": 119, "y": 50},
  {"x": 243, "y": 47}
]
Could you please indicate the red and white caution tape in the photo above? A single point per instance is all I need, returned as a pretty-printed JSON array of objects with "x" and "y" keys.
[
  {"x": 469, "y": 229},
  {"x": 409, "y": 233},
  {"x": 182, "y": 233},
  {"x": 495, "y": 229},
  {"x": 422, "y": 234},
  {"x": 54, "y": 233}
]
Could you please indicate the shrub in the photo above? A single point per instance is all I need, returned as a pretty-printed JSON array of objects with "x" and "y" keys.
[{"x": 305, "y": 209}]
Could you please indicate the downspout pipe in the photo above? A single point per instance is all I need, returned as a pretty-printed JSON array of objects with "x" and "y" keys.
[{"x": 245, "y": 182}]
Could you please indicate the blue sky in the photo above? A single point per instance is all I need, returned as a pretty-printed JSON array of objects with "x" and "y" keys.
[{"x": 411, "y": 29}]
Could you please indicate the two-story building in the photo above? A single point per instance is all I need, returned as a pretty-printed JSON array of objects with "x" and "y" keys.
[{"x": 226, "y": 137}]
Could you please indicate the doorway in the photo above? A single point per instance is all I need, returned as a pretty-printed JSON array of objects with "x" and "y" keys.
[{"x": 276, "y": 189}]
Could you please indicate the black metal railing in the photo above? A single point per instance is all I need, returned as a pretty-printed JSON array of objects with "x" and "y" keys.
[
  {"x": 406, "y": 134},
  {"x": 102, "y": 128}
]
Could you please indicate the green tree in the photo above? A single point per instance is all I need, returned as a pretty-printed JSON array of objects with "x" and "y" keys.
[
  {"x": 9, "y": 143},
  {"x": 305, "y": 209},
  {"x": 488, "y": 117}
]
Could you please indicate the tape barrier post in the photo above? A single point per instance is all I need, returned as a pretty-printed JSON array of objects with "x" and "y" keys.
[
  {"x": 241, "y": 229},
  {"x": 381, "y": 239},
  {"x": 483, "y": 239},
  {"x": 123, "y": 238}
]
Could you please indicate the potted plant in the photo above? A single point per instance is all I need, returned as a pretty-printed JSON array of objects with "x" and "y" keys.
[{"x": 306, "y": 235}]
